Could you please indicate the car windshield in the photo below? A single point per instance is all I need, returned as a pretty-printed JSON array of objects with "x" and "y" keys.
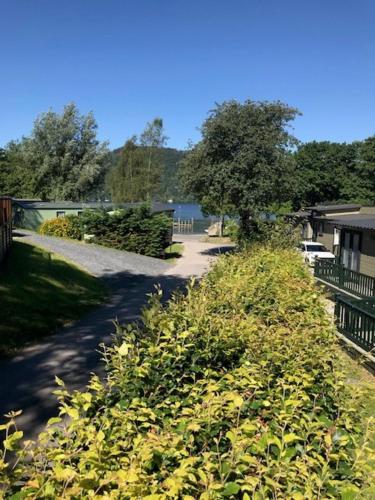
[{"x": 316, "y": 248}]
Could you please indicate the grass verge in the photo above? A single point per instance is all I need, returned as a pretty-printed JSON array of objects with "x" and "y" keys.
[
  {"x": 39, "y": 292},
  {"x": 174, "y": 252}
]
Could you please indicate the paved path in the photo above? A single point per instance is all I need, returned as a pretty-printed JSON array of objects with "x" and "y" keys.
[{"x": 27, "y": 380}]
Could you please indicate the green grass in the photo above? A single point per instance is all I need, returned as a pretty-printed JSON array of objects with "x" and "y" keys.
[
  {"x": 39, "y": 292},
  {"x": 362, "y": 382},
  {"x": 174, "y": 252}
]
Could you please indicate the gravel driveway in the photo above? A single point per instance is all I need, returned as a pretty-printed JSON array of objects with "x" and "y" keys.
[{"x": 98, "y": 260}]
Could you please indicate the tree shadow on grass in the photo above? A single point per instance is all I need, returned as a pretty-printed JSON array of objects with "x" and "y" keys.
[{"x": 39, "y": 294}]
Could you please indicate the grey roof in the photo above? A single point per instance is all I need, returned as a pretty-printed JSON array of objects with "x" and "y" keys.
[
  {"x": 60, "y": 205},
  {"x": 328, "y": 208},
  {"x": 301, "y": 214},
  {"x": 356, "y": 221}
]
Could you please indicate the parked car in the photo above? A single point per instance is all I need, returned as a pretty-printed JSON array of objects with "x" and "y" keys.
[{"x": 312, "y": 250}]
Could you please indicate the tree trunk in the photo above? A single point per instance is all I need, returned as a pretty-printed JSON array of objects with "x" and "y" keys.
[
  {"x": 246, "y": 227},
  {"x": 221, "y": 226}
]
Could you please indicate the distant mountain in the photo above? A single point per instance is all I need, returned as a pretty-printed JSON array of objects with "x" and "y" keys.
[{"x": 170, "y": 189}]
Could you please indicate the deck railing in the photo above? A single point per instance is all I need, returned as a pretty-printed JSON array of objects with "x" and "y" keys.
[
  {"x": 336, "y": 274},
  {"x": 356, "y": 320}
]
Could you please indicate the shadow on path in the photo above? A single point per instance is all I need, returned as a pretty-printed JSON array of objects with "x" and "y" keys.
[
  {"x": 219, "y": 250},
  {"x": 27, "y": 380}
]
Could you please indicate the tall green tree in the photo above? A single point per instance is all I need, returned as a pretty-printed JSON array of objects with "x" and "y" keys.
[
  {"x": 243, "y": 162},
  {"x": 127, "y": 179},
  {"x": 137, "y": 173},
  {"x": 152, "y": 140},
  {"x": 68, "y": 160}
]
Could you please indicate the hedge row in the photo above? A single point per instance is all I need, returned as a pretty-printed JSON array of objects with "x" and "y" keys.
[
  {"x": 134, "y": 229},
  {"x": 231, "y": 391}
]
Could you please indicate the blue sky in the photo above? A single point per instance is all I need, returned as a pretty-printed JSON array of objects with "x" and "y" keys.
[{"x": 131, "y": 60}]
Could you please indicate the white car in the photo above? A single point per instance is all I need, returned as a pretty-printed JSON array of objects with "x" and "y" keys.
[{"x": 311, "y": 250}]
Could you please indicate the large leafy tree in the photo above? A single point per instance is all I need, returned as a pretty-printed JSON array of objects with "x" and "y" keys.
[
  {"x": 17, "y": 175},
  {"x": 67, "y": 159},
  {"x": 243, "y": 163},
  {"x": 334, "y": 172},
  {"x": 366, "y": 168}
]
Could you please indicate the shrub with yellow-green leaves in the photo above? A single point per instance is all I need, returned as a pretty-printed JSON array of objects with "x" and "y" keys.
[
  {"x": 233, "y": 390},
  {"x": 63, "y": 227}
]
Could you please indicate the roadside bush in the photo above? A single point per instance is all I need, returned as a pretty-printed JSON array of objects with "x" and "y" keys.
[
  {"x": 231, "y": 229},
  {"x": 134, "y": 230},
  {"x": 275, "y": 234},
  {"x": 232, "y": 391},
  {"x": 63, "y": 227}
]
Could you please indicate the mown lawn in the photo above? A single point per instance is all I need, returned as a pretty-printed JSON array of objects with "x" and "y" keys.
[
  {"x": 39, "y": 292},
  {"x": 362, "y": 381},
  {"x": 174, "y": 252}
]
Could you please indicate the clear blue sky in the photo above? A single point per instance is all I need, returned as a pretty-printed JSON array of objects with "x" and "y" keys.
[{"x": 131, "y": 60}]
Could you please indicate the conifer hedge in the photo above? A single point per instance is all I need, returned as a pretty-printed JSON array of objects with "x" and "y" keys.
[
  {"x": 233, "y": 390},
  {"x": 134, "y": 229}
]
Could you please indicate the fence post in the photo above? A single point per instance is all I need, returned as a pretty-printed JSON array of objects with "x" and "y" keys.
[{"x": 341, "y": 276}]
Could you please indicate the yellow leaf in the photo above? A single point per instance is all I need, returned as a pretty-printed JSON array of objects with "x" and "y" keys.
[{"x": 289, "y": 438}]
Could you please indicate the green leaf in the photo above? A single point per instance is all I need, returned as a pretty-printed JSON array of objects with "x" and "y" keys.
[
  {"x": 11, "y": 442},
  {"x": 231, "y": 489}
]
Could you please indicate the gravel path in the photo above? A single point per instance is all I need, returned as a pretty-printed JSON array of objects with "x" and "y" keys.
[
  {"x": 98, "y": 260},
  {"x": 27, "y": 380}
]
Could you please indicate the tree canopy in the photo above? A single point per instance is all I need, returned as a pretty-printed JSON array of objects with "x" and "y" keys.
[
  {"x": 138, "y": 171},
  {"x": 243, "y": 163},
  {"x": 335, "y": 172},
  {"x": 61, "y": 160}
]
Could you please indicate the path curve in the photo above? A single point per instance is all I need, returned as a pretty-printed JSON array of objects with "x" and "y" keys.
[{"x": 27, "y": 380}]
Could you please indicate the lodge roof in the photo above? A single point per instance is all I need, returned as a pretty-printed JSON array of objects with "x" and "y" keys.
[
  {"x": 355, "y": 221},
  {"x": 332, "y": 208},
  {"x": 61, "y": 205}
]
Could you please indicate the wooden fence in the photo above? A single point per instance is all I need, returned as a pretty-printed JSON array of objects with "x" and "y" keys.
[
  {"x": 355, "y": 318},
  {"x": 336, "y": 274},
  {"x": 5, "y": 226},
  {"x": 183, "y": 225}
]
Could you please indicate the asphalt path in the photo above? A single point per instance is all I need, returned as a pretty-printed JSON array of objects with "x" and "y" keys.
[{"x": 27, "y": 381}]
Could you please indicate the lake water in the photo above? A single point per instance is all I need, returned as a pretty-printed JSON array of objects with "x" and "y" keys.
[{"x": 192, "y": 211}]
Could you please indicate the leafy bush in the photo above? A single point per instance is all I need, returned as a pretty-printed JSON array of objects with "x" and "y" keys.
[
  {"x": 232, "y": 391},
  {"x": 231, "y": 229},
  {"x": 275, "y": 234},
  {"x": 135, "y": 229},
  {"x": 64, "y": 227}
]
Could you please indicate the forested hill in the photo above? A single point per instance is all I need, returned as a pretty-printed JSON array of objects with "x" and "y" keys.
[{"x": 169, "y": 183}]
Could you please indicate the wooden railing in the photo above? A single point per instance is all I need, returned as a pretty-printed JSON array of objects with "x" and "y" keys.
[
  {"x": 336, "y": 274},
  {"x": 356, "y": 320}
]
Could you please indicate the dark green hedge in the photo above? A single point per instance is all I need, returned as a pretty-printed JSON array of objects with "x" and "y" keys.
[{"x": 134, "y": 229}]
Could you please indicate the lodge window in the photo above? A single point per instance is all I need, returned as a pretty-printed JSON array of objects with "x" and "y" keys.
[
  {"x": 350, "y": 251},
  {"x": 60, "y": 213}
]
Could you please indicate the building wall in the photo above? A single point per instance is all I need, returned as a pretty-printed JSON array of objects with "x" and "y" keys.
[
  {"x": 368, "y": 210},
  {"x": 326, "y": 236},
  {"x": 367, "y": 261},
  {"x": 32, "y": 219},
  {"x": 5, "y": 226}
]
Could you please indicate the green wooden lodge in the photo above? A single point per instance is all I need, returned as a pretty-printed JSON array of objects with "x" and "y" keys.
[{"x": 30, "y": 214}]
